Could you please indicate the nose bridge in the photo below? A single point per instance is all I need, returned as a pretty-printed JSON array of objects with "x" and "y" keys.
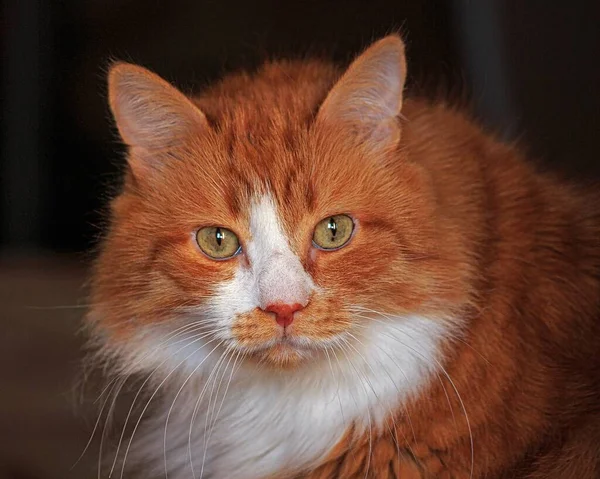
[
  {"x": 278, "y": 272},
  {"x": 282, "y": 279}
]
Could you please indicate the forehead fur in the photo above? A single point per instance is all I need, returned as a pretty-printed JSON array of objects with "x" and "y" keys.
[
  {"x": 263, "y": 140},
  {"x": 280, "y": 96}
]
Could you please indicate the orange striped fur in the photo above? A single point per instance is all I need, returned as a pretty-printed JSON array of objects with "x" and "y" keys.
[{"x": 494, "y": 264}]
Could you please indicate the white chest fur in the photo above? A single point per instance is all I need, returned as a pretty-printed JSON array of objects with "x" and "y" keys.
[{"x": 269, "y": 423}]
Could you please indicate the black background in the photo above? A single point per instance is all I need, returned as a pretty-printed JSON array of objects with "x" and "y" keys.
[{"x": 531, "y": 69}]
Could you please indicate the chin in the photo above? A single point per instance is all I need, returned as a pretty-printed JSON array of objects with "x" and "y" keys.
[{"x": 284, "y": 354}]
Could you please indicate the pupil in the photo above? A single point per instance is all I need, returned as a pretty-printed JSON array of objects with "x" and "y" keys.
[
  {"x": 219, "y": 236},
  {"x": 332, "y": 227}
]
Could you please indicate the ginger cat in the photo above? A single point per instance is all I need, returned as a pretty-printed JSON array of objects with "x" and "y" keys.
[{"x": 317, "y": 277}]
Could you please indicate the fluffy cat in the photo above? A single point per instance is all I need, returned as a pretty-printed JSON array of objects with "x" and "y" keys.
[{"x": 316, "y": 277}]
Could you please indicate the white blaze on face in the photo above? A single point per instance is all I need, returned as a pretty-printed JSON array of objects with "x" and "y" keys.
[
  {"x": 281, "y": 278},
  {"x": 274, "y": 273}
]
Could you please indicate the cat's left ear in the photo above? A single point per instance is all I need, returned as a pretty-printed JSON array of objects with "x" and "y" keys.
[{"x": 367, "y": 99}]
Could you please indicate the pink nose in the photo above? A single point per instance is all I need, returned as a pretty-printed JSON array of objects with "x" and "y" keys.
[{"x": 284, "y": 313}]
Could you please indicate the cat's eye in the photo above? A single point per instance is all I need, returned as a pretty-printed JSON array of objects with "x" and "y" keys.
[
  {"x": 217, "y": 242},
  {"x": 333, "y": 232}
]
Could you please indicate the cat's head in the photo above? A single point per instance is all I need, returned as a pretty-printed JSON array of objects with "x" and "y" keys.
[{"x": 278, "y": 214}]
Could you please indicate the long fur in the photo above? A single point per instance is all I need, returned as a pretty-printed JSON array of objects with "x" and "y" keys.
[{"x": 455, "y": 335}]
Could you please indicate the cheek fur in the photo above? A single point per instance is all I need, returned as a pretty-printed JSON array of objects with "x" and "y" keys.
[
  {"x": 192, "y": 271},
  {"x": 323, "y": 319},
  {"x": 254, "y": 328},
  {"x": 383, "y": 269}
]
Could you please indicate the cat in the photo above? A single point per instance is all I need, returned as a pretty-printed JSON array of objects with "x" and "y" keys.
[{"x": 318, "y": 276}]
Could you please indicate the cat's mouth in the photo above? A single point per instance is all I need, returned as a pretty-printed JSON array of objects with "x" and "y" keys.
[
  {"x": 287, "y": 342},
  {"x": 284, "y": 351},
  {"x": 262, "y": 338}
]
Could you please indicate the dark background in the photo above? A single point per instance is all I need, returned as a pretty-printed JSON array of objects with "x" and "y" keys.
[{"x": 530, "y": 67}]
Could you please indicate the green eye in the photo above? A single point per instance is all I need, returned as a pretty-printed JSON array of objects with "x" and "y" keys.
[
  {"x": 217, "y": 242},
  {"x": 333, "y": 232}
]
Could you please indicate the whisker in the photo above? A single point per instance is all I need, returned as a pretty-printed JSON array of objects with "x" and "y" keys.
[
  {"x": 142, "y": 387},
  {"x": 233, "y": 371},
  {"x": 111, "y": 387},
  {"x": 97, "y": 423},
  {"x": 396, "y": 386},
  {"x": 459, "y": 397},
  {"x": 211, "y": 413},
  {"x": 109, "y": 414},
  {"x": 368, "y": 408},
  {"x": 334, "y": 377},
  {"x": 214, "y": 420},
  {"x": 196, "y": 408},
  {"x": 156, "y": 391},
  {"x": 207, "y": 414},
  {"x": 170, "y": 412},
  {"x": 59, "y": 307},
  {"x": 392, "y": 415}
]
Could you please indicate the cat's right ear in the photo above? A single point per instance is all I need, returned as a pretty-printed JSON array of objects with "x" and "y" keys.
[{"x": 151, "y": 114}]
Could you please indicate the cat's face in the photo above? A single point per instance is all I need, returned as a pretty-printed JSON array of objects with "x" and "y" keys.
[{"x": 277, "y": 236}]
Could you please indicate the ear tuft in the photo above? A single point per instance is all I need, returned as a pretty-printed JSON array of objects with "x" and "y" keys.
[
  {"x": 368, "y": 97},
  {"x": 149, "y": 112}
]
